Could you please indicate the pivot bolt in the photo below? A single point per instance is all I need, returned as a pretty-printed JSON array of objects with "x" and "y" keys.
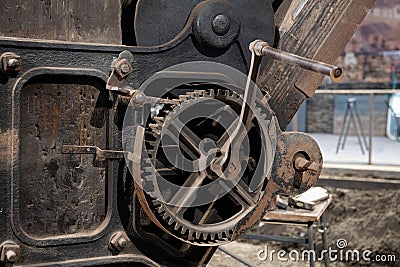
[
  {"x": 221, "y": 24},
  {"x": 231, "y": 168},
  {"x": 139, "y": 99}
]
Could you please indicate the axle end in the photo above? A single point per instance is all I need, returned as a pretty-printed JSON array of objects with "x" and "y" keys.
[{"x": 336, "y": 74}]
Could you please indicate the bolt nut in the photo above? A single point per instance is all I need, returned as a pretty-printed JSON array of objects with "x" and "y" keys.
[
  {"x": 125, "y": 68},
  {"x": 118, "y": 241},
  {"x": 122, "y": 242},
  {"x": 10, "y": 62},
  {"x": 139, "y": 98},
  {"x": 231, "y": 168},
  {"x": 302, "y": 164},
  {"x": 9, "y": 252},
  {"x": 13, "y": 63},
  {"x": 11, "y": 255}
]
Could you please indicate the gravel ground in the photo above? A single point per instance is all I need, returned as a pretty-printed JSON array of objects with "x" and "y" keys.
[{"x": 367, "y": 220}]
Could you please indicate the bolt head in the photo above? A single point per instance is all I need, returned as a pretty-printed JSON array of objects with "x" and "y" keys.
[
  {"x": 221, "y": 24},
  {"x": 13, "y": 63},
  {"x": 10, "y": 62},
  {"x": 139, "y": 98},
  {"x": 118, "y": 241},
  {"x": 11, "y": 255},
  {"x": 231, "y": 168},
  {"x": 122, "y": 242},
  {"x": 125, "y": 68}
]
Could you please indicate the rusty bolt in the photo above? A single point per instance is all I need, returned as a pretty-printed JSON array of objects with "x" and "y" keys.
[
  {"x": 118, "y": 241},
  {"x": 10, "y": 62},
  {"x": 122, "y": 242},
  {"x": 9, "y": 252},
  {"x": 11, "y": 256},
  {"x": 125, "y": 68},
  {"x": 13, "y": 63},
  {"x": 303, "y": 164}
]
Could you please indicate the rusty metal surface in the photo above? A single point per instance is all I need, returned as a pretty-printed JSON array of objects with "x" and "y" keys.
[
  {"x": 89, "y": 21},
  {"x": 59, "y": 98},
  {"x": 69, "y": 198},
  {"x": 70, "y": 192}
]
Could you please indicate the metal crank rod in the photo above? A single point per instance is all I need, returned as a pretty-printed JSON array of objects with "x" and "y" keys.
[{"x": 261, "y": 48}]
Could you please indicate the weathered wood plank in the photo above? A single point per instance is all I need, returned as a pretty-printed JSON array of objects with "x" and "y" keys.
[
  {"x": 320, "y": 31},
  {"x": 93, "y": 21}
]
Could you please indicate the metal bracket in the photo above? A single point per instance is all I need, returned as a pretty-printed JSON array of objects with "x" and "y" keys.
[
  {"x": 10, "y": 63},
  {"x": 121, "y": 69},
  {"x": 101, "y": 155},
  {"x": 9, "y": 252}
]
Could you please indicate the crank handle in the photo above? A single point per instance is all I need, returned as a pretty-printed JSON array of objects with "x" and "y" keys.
[{"x": 261, "y": 48}]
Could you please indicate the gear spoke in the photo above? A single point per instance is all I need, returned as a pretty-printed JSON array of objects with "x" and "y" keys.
[
  {"x": 187, "y": 136},
  {"x": 240, "y": 193},
  {"x": 193, "y": 154},
  {"x": 185, "y": 196}
]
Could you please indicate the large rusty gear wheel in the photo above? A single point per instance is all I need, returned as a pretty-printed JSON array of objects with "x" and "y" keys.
[{"x": 213, "y": 223}]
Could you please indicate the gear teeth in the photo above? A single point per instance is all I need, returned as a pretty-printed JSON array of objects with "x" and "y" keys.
[
  {"x": 205, "y": 236},
  {"x": 156, "y": 128},
  {"x": 170, "y": 221},
  {"x": 156, "y": 203},
  {"x": 176, "y": 227},
  {"x": 219, "y": 235},
  {"x": 160, "y": 210},
  {"x": 191, "y": 94},
  {"x": 201, "y": 93},
  {"x": 184, "y": 98},
  {"x": 159, "y": 120},
  {"x": 198, "y": 234},
  {"x": 183, "y": 230},
  {"x": 165, "y": 216}
]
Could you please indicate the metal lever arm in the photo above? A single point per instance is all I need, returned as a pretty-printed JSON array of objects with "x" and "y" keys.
[{"x": 102, "y": 155}]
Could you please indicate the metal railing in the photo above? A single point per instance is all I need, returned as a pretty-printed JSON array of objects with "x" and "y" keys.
[{"x": 371, "y": 93}]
